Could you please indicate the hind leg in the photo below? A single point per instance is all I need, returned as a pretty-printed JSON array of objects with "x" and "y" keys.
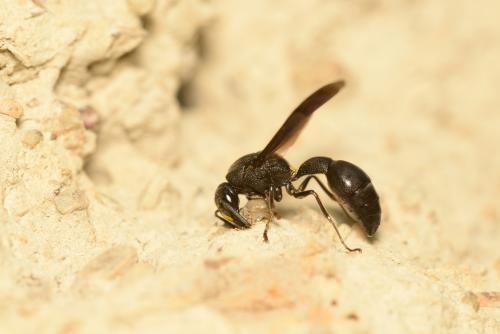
[
  {"x": 305, "y": 182},
  {"x": 301, "y": 194}
]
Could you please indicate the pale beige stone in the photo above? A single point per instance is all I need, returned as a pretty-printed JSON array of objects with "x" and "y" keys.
[
  {"x": 69, "y": 200},
  {"x": 145, "y": 104},
  {"x": 256, "y": 210},
  {"x": 11, "y": 108},
  {"x": 102, "y": 271},
  {"x": 141, "y": 7},
  {"x": 32, "y": 137}
]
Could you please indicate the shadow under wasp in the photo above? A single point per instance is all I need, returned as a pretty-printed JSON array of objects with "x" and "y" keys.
[{"x": 263, "y": 175}]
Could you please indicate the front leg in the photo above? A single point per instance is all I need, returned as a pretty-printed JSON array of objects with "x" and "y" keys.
[
  {"x": 228, "y": 203},
  {"x": 270, "y": 196},
  {"x": 270, "y": 205}
]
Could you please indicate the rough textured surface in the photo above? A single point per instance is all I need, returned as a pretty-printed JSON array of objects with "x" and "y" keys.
[{"x": 106, "y": 185}]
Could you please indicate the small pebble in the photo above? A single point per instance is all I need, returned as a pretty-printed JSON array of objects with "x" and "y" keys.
[
  {"x": 69, "y": 200},
  {"x": 141, "y": 7},
  {"x": 482, "y": 299},
  {"x": 90, "y": 117},
  {"x": 11, "y": 108},
  {"x": 256, "y": 210},
  {"x": 31, "y": 138},
  {"x": 68, "y": 119}
]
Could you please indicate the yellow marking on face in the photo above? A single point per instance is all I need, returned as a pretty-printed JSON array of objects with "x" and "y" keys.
[{"x": 226, "y": 217}]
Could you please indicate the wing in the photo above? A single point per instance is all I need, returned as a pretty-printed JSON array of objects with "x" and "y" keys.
[{"x": 294, "y": 124}]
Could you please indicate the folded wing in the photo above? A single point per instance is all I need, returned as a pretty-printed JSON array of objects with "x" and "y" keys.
[{"x": 294, "y": 124}]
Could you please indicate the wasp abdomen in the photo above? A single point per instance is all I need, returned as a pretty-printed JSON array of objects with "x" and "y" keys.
[{"x": 355, "y": 192}]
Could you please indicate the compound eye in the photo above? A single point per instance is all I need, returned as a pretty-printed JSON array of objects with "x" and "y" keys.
[
  {"x": 232, "y": 199},
  {"x": 227, "y": 194}
]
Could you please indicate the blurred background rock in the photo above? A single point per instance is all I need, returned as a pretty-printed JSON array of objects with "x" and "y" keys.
[{"x": 119, "y": 118}]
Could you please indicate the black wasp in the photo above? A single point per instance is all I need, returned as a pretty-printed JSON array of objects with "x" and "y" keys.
[{"x": 265, "y": 173}]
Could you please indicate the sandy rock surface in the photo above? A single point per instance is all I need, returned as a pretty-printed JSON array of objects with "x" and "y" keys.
[{"x": 118, "y": 119}]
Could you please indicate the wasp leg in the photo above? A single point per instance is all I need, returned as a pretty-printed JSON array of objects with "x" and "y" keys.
[
  {"x": 227, "y": 202},
  {"x": 301, "y": 194},
  {"x": 304, "y": 184},
  {"x": 270, "y": 205}
]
